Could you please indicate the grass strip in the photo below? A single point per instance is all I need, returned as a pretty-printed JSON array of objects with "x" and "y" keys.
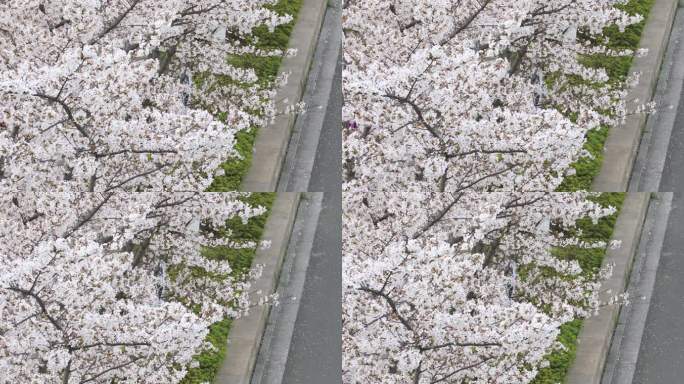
[
  {"x": 590, "y": 260},
  {"x": 266, "y": 69},
  {"x": 241, "y": 261},
  {"x": 587, "y": 168}
]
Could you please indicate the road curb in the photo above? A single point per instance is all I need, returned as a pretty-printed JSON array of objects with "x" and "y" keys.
[
  {"x": 308, "y": 130},
  {"x": 246, "y": 332},
  {"x": 270, "y": 146},
  {"x": 622, "y": 144},
  {"x": 652, "y": 158},
  {"x": 275, "y": 346},
  {"x": 626, "y": 342},
  {"x": 595, "y": 337}
]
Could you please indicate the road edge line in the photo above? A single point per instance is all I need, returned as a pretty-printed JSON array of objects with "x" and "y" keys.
[
  {"x": 270, "y": 145},
  {"x": 246, "y": 332},
  {"x": 299, "y": 161},
  {"x": 622, "y": 358},
  {"x": 596, "y": 334},
  {"x": 274, "y": 352},
  {"x": 622, "y": 144}
]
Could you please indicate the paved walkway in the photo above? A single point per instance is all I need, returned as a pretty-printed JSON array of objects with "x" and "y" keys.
[
  {"x": 326, "y": 175},
  {"x": 313, "y": 159},
  {"x": 661, "y": 355},
  {"x": 315, "y": 352},
  {"x": 660, "y": 161},
  {"x": 302, "y": 343}
]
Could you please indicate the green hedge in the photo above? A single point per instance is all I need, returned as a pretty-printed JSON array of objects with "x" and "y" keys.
[
  {"x": 617, "y": 68},
  {"x": 267, "y": 69},
  {"x": 241, "y": 261},
  {"x": 590, "y": 260}
]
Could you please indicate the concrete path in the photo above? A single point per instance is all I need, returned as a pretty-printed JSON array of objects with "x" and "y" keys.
[
  {"x": 661, "y": 356},
  {"x": 314, "y": 153},
  {"x": 302, "y": 340},
  {"x": 594, "y": 340},
  {"x": 246, "y": 332},
  {"x": 648, "y": 346},
  {"x": 315, "y": 353},
  {"x": 660, "y": 161},
  {"x": 622, "y": 145},
  {"x": 627, "y": 337},
  {"x": 270, "y": 146},
  {"x": 326, "y": 175}
]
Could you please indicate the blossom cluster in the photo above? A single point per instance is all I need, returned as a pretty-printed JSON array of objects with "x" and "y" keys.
[
  {"x": 486, "y": 95},
  {"x": 105, "y": 95},
  {"x": 114, "y": 287},
  {"x": 460, "y": 287}
]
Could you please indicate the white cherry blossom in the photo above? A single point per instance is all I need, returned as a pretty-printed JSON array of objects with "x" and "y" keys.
[
  {"x": 106, "y": 95},
  {"x": 105, "y": 287},
  {"x": 459, "y": 287},
  {"x": 476, "y": 94}
]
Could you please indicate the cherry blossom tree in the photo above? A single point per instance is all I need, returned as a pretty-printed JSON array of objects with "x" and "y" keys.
[
  {"x": 128, "y": 94},
  {"x": 460, "y": 287},
  {"x": 476, "y": 94},
  {"x": 113, "y": 287}
]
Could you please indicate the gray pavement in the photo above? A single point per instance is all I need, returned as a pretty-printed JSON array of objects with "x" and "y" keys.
[
  {"x": 594, "y": 340},
  {"x": 622, "y": 144},
  {"x": 315, "y": 352},
  {"x": 246, "y": 332},
  {"x": 627, "y": 336},
  {"x": 326, "y": 175},
  {"x": 661, "y": 356},
  {"x": 302, "y": 340},
  {"x": 272, "y": 142},
  {"x": 648, "y": 344},
  {"x": 673, "y": 171},
  {"x": 660, "y": 160},
  {"x": 314, "y": 152}
]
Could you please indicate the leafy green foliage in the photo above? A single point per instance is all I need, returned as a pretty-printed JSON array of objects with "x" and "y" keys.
[
  {"x": 590, "y": 260},
  {"x": 235, "y": 169},
  {"x": 241, "y": 261},
  {"x": 587, "y": 168},
  {"x": 267, "y": 69},
  {"x": 560, "y": 361},
  {"x": 617, "y": 68}
]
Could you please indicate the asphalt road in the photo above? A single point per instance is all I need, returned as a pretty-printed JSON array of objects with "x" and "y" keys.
[
  {"x": 672, "y": 179},
  {"x": 315, "y": 351},
  {"x": 301, "y": 344},
  {"x": 313, "y": 159},
  {"x": 659, "y": 164},
  {"x": 661, "y": 354},
  {"x": 326, "y": 175}
]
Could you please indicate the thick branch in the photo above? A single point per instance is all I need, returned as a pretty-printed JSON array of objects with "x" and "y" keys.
[
  {"x": 466, "y": 23},
  {"x": 67, "y": 110},
  {"x": 41, "y": 304},
  {"x": 437, "y": 217},
  {"x": 392, "y": 304},
  {"x": 115, "y": 23}
]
